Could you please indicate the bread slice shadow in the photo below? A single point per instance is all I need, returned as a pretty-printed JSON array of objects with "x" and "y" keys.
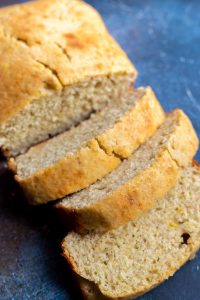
[{"x": 30, "y": 246}]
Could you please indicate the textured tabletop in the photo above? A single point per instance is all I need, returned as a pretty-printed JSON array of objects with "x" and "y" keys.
[{"x": 162, "y": 38}]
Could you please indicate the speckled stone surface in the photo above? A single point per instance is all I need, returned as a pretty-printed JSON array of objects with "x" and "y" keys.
[{"x": 163, "y": 40}]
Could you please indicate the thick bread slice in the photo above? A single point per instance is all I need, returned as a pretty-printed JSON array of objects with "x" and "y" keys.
[
  {"x": 77, "y": 158},
  {"x": 130, "y": 260},
  {"x": 58, "y": 64},
  {"x": 138, "y": 182}
]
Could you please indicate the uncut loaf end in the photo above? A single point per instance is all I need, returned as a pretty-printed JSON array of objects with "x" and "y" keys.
[{"x": 58, "y": 65}]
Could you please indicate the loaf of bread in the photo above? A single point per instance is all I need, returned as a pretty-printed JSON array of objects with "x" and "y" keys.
[
  {"x": 77, "y": 158},
  {"x": 138, "y": 182},
  {"x": 58, "y": 65},
  {"x": 130, "y": 260},
  {"x": 74, "y": 129}
]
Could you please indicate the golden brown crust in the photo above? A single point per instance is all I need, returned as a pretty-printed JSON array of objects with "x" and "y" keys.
[
  {"x": 130, "y": 200},
  {"x": 52, "y": 43},
  {"x": 56, "y": 181},
  {"x": 135, "y": 127},
  {"x": 101, "y": 155},
  {"x": 17, "y": 65},
  {"x": 187, "y": 143}
]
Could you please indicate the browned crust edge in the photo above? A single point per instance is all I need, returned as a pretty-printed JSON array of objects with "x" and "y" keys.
[
  {"x": 132, "y": 199},
  {"x": 101, "y": 155},
  {"x": 129, "y": 201},
  {"x": 26, "y": 64}
]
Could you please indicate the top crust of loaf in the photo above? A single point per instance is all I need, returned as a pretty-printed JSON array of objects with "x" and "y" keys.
[{"x": 48, "y": 44}]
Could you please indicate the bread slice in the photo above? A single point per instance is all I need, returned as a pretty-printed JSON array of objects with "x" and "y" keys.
[
  {"x": 58, "y": 65},
  {"x": 130, "y": 260},
  {"x": 77, "y": 158},
  {"x": 138, "y": 182}
]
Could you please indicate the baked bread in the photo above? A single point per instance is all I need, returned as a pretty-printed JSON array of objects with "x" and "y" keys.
[
  {"x": 58, "y": 65},
  {"x": 77, "y": 158},
  {"x": 138, "y": 182},
  {"x": 130, "y": 260}
]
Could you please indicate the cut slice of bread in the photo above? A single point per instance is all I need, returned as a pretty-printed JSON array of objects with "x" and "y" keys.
[
  {"x": 138, "y": 182},
  {"x": 130, "y": 260},
  {"x": 58, "y": 64},
  {"x": 77, "y": 158}
]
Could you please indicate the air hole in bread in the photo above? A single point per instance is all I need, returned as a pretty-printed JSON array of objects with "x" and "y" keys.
[
  {"x": 185, "y": 237},
  {"x": 98, "y": 84}
]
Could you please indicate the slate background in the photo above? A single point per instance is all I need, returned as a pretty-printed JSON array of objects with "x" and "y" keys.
[{"x": 162, "y": 38}]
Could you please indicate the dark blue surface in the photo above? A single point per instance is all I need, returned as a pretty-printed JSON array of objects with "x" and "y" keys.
[{"x": 163, "y": 40}]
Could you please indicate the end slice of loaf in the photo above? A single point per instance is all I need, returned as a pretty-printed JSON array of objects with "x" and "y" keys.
[
  {"x": 138, "y": 182},
  {"x": 130, "y": 260},
  {"x": 86, "y": 153},
  {"x": 58, "y": 64}
]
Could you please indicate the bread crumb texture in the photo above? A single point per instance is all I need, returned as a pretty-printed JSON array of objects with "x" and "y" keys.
[
  {"x": 139, "y": 181},
  {"x": 132, "y": 259},
  {"x": 55, "y": 56},
  {"x": 91, "y": 150}
]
